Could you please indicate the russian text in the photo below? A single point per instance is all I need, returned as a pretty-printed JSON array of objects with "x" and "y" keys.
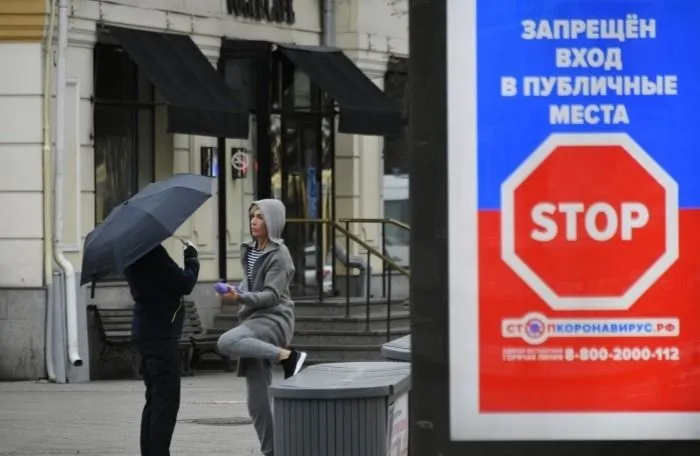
[
  {"x": 573, "y": 86},
  {"x": 592, "y": 114},
  {"x": 608, "y": 59},
  {"x": 630, "y": 28}
]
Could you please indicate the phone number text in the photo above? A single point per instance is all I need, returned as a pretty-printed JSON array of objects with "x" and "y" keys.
[
  {"x": 591, "y": 354},
  {"x": 622, "y": 354}
]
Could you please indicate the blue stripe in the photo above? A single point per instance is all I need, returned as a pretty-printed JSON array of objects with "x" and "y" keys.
[{"x": 510, "y": 128}]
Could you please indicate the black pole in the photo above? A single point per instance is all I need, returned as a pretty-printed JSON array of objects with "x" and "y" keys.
[
  {"x": 263, "y": 153},
  {"x": 428, "y": 195},
  {"x": 284, "y": 162},
  {"x": 221, "y": 192},
  {"x": 221, "y": 196},
  {"x": 331, "y": 215}
]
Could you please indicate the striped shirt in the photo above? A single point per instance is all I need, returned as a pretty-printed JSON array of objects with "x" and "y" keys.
[{"x": 253, "y": 255}]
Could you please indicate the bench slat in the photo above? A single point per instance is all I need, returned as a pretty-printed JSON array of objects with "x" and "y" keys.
[
  {"x": 115, "y": 324},
  {"x": 118, "y": 333},
  {"x": 203, "y": 338},
  {"x": 108, "y": 328}
]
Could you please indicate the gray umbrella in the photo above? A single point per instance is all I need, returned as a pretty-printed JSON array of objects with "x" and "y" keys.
[{"x": 141, "y": 223}]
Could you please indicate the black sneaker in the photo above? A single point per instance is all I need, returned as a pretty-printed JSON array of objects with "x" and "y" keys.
[{"x": 292, "y": 365}]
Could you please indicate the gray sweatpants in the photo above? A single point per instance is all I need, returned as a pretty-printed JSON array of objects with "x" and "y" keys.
[{"x": 250, "y": 346}]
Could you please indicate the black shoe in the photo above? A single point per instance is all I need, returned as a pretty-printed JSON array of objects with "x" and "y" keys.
[{"x": 292, "y": 365}]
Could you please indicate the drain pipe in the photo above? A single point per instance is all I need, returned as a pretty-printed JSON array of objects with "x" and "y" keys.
[
  {"x": 328, "y": 22},
  {"x": 47, "y": 167},
  {"x": 71, "y": 300}
]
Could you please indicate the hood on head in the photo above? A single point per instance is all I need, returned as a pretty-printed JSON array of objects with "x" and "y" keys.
[{"x": 274, "y": 215}]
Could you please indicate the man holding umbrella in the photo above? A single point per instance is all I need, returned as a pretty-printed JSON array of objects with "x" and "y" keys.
[
  {"x": 130, "y": 240},
  {"x": 157, "y": 286}
]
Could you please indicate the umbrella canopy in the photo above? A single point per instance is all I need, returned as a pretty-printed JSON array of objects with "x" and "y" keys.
[{"x": 141, "y": 223}]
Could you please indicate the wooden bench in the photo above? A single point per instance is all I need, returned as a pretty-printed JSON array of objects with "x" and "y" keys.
[
  {"x": 202, "y": 341},
  {"x": 114, "y": 328}
]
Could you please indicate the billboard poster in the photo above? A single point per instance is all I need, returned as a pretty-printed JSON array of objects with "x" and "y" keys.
[{"x": 574, "y": 226}]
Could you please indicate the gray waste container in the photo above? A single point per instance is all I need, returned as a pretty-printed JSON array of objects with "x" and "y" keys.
[
  {"x": 398, "y": 350},
  {"x": 340, "y": 409}
]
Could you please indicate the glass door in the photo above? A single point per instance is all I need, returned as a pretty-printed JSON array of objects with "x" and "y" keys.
[{"x": 301, "y": 194}]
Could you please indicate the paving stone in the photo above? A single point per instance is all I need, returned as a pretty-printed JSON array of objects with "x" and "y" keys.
[{"x": 102, "y": 418}]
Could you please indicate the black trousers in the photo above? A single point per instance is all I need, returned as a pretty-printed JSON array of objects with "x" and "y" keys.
[{"x": 160, "y": 368}]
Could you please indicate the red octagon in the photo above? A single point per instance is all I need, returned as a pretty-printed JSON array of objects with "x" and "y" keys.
[{"x": 589, "y": 223}]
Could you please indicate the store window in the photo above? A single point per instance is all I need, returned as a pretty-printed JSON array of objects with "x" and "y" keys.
[{"x": 123, "y": 119}]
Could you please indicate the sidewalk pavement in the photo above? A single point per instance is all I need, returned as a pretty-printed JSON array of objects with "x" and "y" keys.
[{"x": 102, "y": 418}]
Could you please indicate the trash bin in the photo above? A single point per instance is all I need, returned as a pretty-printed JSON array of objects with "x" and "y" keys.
[
  {"x": 398, "y": 350},
  {"x": 342, "y": 409}
]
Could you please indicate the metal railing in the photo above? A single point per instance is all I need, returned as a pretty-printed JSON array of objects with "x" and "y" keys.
[
  {"x": 384, "y": 223},
  {"x": 388, "y": 264}
]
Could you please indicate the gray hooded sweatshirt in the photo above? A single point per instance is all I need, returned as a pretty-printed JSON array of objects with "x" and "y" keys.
[{"x": 267, "y": 305}]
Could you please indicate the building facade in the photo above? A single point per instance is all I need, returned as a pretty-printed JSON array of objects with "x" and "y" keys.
[{"x": 125, "y": 127}]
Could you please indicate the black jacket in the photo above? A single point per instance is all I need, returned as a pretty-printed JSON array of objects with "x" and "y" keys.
[{"x": 157, "y": 286}]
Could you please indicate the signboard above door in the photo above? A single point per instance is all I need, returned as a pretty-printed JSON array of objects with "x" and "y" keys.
[{"x": 279, "y": 11}]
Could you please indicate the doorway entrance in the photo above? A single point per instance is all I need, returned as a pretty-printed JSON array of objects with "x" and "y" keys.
[
  {"x": 304, "y": 182},
  {"x": 303, "y": 157},
  {"x": 293, "y": 155},
  {"x": 297, "y": 94}
]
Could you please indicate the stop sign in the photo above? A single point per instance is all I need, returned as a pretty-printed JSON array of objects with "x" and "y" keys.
[{"x": 589, "y": 221}]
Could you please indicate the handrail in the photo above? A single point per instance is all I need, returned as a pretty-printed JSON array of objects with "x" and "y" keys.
[
  {"x": 355, "y": 238},
  {"x": 394, "y": 222},
  {"x": 383, "y": 223},
  {"x": 370, "y": 250}
]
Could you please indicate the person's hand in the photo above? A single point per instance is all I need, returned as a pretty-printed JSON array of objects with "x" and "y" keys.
[
  {"x": 230, "y": 295},
  {"x": 190, "y": 250}
]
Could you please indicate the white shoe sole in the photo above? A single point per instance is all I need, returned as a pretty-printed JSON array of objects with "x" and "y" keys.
[{"x": 300, "y": 362}]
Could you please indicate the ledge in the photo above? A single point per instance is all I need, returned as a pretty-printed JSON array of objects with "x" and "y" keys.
[{"x": 22, "y": 20}]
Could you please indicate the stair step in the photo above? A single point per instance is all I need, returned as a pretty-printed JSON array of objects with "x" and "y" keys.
[
  {"x": 354, "y": 307},
  {"x": 377, "y": 321},
  {"x": 353, "y": 299},
  {"x": 347, "y": 338},
  {"x": 353, "y": 323},
  {"x": 336, "y": 306}
]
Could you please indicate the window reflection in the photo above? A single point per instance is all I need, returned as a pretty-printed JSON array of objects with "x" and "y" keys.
[
  {"x": 115, "y": 159},
  {"x": 123, "y": 129}
]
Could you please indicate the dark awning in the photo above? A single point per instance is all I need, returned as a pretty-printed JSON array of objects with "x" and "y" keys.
[
  {"x": 364, "y": 108},
  {"x": 199, "y": 101}
]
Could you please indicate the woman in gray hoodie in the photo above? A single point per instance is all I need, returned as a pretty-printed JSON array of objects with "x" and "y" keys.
[{"x": 266, "y": 315}]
